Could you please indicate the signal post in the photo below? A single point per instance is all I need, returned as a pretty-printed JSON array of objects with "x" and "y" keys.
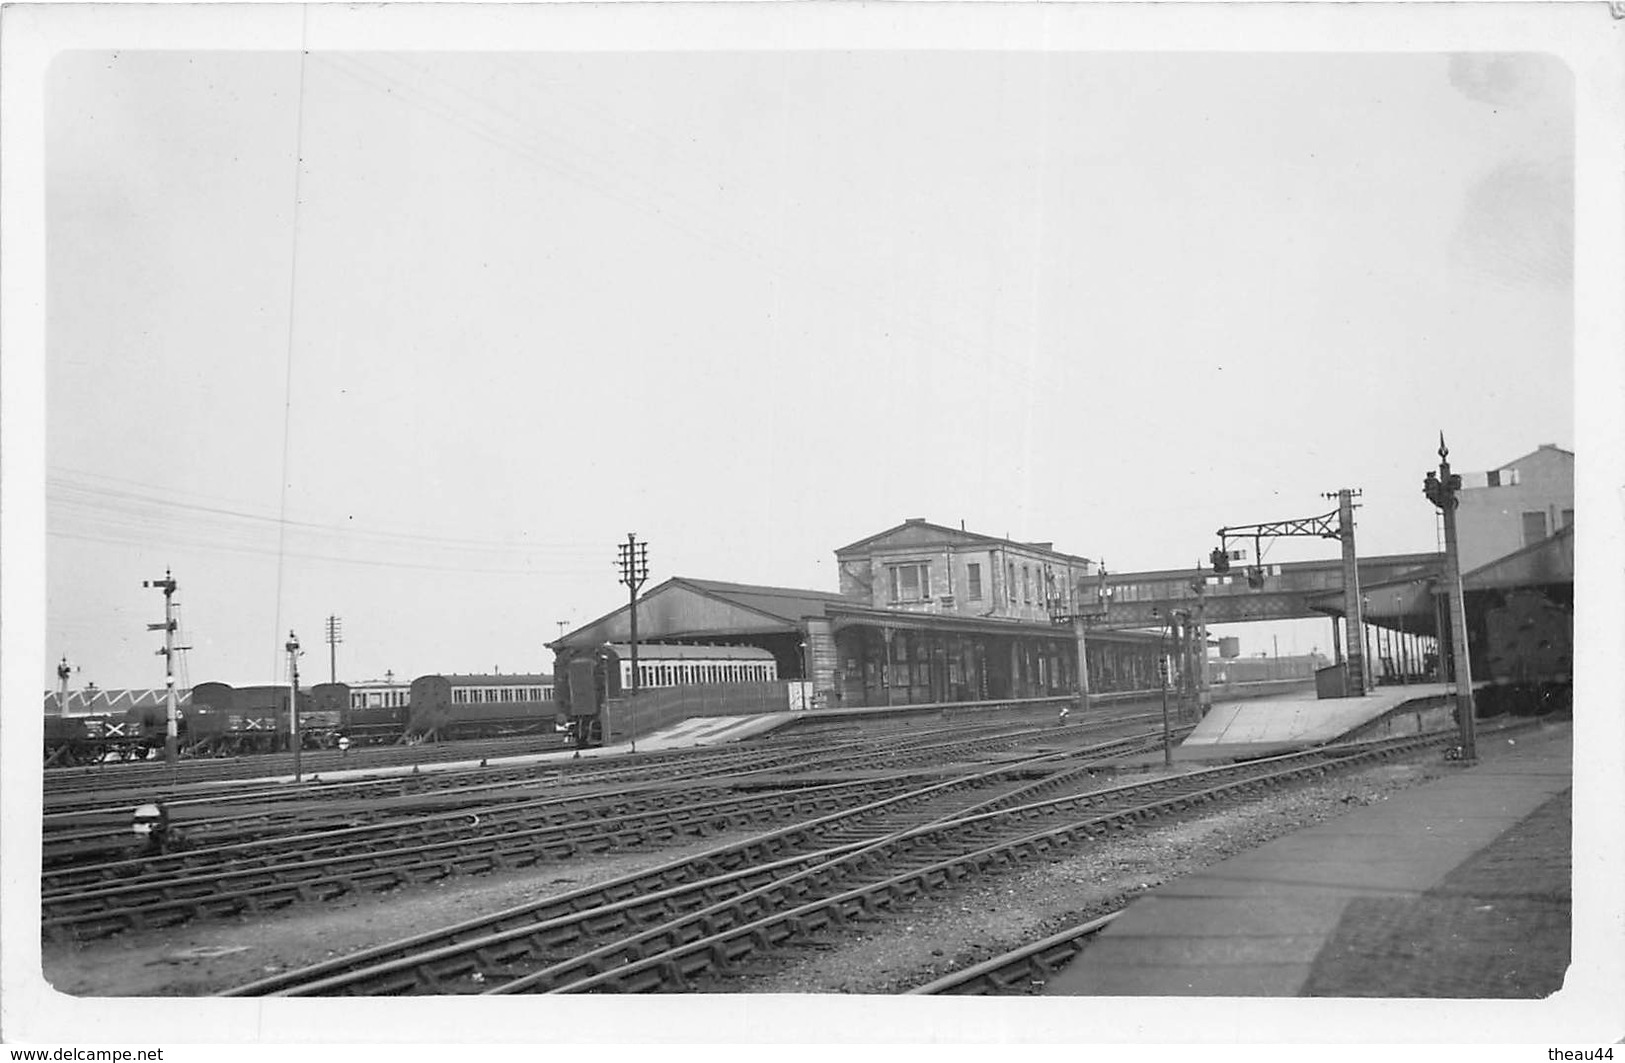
[
  {"x": 1442, "y": 488},
  {"x": 172, "y": 734}
]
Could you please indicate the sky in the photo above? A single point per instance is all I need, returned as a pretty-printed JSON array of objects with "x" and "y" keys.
[
  {"x": 415, "y": 339},
  {"x": 414, "y": 329}
]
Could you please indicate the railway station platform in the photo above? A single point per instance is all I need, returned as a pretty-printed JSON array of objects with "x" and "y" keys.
[
  {"x": 715, "y": 730},
  {"x": 1450, "y": 889},
  {"x": 1282, "y": 724}
]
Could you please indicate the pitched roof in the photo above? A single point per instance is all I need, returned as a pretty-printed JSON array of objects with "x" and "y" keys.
[
  {"x": 955, "y": 535},
  {"x": 786, "y": 603},
  {"x": 1544, "y": 446},
  {"x": 1550, "y": 560},
  {"x": 757, "y": 608}
]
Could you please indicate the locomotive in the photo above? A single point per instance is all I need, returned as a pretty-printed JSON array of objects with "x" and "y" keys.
[{"x": 1527, "y": 654}]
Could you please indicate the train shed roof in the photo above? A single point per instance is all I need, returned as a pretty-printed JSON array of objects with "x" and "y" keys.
[{"x": 686, "y": 608}]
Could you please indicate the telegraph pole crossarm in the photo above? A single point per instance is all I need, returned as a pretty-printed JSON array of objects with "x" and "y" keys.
[
  {"x": 335, "y": 635},
  {"x": 634, "y": 565}
]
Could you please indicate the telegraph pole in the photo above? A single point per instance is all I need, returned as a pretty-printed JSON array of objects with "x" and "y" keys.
[
  {"x": 634, "y": 565},
  {"x": 172, "y": 733},
  {"x": 1442, "y": 488},
  {"x": 1162, "y": 676},
  {"x": 335, "y": 635},
  {"x": 293, "y": 700}
]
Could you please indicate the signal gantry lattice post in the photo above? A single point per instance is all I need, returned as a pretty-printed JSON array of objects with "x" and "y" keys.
[
  {"x": 172, "y": 733},
  {"x": 1442, "y": 488},
  {"x": 1339, "y": 525},
  {"x": 634, "y": 565}
]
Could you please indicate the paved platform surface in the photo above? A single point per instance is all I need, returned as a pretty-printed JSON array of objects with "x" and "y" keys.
[
  {"x": 714, "y": 730},
  {"x": 1456, "y": 888},
  {"x": 1285, "y": 723}
]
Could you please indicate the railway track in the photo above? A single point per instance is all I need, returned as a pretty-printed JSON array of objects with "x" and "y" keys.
[
  {"x": 93, "y": 901},
  {"x": 672, "y": 928},
  {"x": 683, "y": 884},
  {"x": 1020, "y": 970},
  {"x": 101, "y": 834},
  {"x": 154, "y": 774}
]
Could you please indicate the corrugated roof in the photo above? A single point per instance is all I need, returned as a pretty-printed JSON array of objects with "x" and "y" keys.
[{"x": 493, "y": 680}]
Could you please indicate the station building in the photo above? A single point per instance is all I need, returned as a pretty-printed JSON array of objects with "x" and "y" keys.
[
  {"x": 1514, "y": 506},
  {"x": 925, "y": 614}
]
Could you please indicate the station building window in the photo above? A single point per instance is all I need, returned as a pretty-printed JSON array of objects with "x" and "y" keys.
[
  {"x": 973, "y": 579},
  {"x": 911, "y": 582},
  {"x": 1534, "y": 527}
]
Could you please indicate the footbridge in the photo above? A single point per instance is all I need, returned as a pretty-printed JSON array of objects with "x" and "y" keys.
[{"x": 1290, "y": 591}]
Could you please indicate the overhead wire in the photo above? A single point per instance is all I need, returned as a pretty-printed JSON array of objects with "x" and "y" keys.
[
  {"x": 293, "y": 301},
  {"x": 719, "y": 230},
  {"x": 111, "y": 500}
]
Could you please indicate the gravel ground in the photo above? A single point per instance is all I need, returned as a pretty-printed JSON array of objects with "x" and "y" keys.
[{"x": 919, "y": 942}]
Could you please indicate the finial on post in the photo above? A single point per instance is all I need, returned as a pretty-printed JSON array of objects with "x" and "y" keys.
[{"x": 1444, "y": 451}]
